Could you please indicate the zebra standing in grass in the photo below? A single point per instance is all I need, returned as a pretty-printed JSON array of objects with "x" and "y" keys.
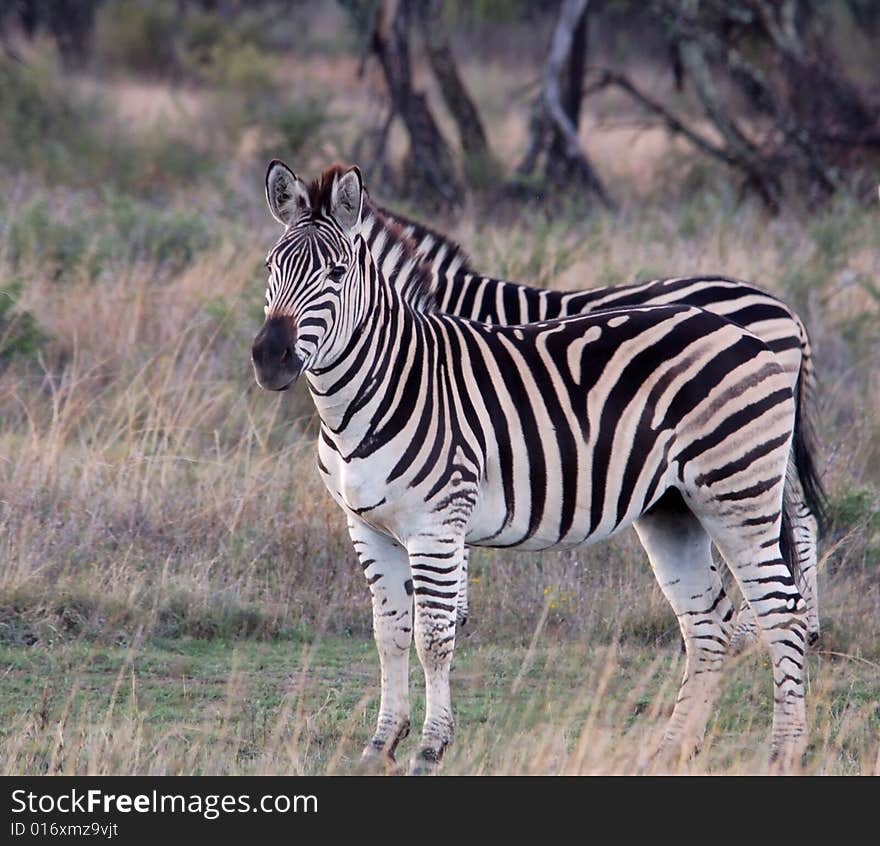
[
  {"x": 462, "y": 291},
  {"x": 438, "y": 432}
]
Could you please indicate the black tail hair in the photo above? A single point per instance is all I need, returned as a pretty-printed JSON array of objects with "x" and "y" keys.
[
  {"x": 786, "y": 544},
  {"x": 804, "y": 446}
]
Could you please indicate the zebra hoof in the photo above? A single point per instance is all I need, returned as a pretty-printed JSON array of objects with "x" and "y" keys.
[
  {"x": 427, "y": 762},
  {"x": 375, "y": 762},
  {"x": 784, "y": 761}
]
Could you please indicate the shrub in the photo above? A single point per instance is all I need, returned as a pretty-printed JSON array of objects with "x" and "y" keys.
[
  {"x": 36, "y": 235},
  {"x": 43, "y": 127},
  {"x": 290, "y": 129},
  {"x": 238, "y": 66},
  {"x": 20, "y": 334},
  {"x": 856, "y": 506},
  {"x": 139, "y": 36},
  {"x": 88, "y": 238},
  {"x": 855, "y": 514},
  {"x": 53, "y": 132},
  {"x": 131, "y": 230}
]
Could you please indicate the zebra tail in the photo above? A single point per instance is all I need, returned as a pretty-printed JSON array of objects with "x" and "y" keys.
[
  {"x": 786, "y": 543},
  {"x": 805, "y": 446}
]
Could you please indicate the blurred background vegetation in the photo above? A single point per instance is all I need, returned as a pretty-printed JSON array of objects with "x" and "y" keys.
[{"x": 149, "y": 490}]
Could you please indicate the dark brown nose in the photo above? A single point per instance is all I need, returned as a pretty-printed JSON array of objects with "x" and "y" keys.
[{"x": 276, "y": 365}]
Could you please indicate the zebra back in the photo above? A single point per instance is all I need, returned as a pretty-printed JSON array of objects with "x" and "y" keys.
[{"x": 460, "y": 290}]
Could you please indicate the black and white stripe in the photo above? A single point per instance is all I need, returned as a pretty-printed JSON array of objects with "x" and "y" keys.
[
  {"x": 439, "y": 432},
  {"x": 461, "y": 290}
]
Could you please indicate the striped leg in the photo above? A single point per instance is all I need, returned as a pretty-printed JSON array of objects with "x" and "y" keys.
[
  {"x": 681, "y": 556},
  {"x": 386, "y": 566},
  {"x": 806, "y": 532},
  {"x": 780, "y": 611},
  {"x": 436, "y": 568},
  {"x": 463, "y": 609}
]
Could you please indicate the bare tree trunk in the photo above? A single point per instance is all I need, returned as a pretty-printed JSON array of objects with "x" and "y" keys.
[
  {"x": 458, "y": 100},
  {"x": 72, "y": 23},
  {"x": 553, "y": 131},
  {"x": 743, "y": 151},
  {"x": 431, "y": 172},
  {"x": 558, "y": 164}
]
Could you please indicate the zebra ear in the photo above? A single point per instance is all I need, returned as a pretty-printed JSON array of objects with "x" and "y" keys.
[
  {"x": 347, "y": 198},
  {"x": 286, "y": 193}
]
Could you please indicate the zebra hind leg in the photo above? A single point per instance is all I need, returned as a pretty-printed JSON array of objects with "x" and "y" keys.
[
  {"x": 463, "y": 608},
  {"x": 805, "y": 530},
  {"x": 681, "y": 556},
  {"x": 757, "y": 564},
  {"x": 386, "y": 567}
]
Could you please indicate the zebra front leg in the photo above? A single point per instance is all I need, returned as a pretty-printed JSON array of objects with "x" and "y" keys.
[
  {"x": 436, "y": 571},
  {"x": 386, "y": 567},
  {"x": 680, "y": 552}
]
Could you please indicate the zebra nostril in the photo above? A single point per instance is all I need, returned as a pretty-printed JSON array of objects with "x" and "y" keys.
[{"x": 285, "y": 354}]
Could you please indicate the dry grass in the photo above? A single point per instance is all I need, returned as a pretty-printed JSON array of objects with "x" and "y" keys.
[{"x": 177, "y": 591}]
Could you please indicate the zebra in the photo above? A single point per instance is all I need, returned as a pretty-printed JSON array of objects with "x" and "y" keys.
[
  {"x": 461, "y": 290},
  {"x": 437, "y": 432}
]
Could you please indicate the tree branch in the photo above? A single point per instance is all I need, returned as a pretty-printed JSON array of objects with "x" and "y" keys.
[
  {"x": 551, "y": 130},
  {"x": 609, "y": 78}
]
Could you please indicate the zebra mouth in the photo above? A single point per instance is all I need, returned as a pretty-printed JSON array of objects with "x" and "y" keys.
[
  {"x": 282, "y": 379},
  {"x": 276, "y": 364},
  {"x": 286, "y": 387}
]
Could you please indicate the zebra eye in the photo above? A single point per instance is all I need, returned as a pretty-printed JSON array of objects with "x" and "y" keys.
[{"x": 336, "y": 273}]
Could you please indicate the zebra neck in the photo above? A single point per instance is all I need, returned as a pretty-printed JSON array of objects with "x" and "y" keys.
[{"x": 385, "y": 350}]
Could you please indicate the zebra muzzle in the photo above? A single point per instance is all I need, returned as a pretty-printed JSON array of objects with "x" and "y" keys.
[{"x": 276, "y": 364}]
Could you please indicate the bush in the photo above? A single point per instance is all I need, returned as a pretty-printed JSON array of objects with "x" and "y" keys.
[
  {"x": 130, "y": 230},
  {"x": 139, "y": 36},
  {"x": 247, "y": 97},
  {"x": 88, "y": 239},
  {"x": 51, "y": 131},
  {"x": 854, "y": 513},
  {"x": 20, "y": 334},
  {"x": 35, "y": 235},
  {"x": 291, "y": 129},
  {"x": 856, "y": 507},
  {"x": 238, "y": 66},
  {"x": 43, "y": 127}
]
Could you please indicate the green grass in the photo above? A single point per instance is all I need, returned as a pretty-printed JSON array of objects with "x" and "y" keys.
[{"x": 195, "y": 706}]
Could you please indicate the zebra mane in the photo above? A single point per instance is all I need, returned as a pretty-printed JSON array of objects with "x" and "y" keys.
[
  {"x": 419, "y": 232},
  {"x": 402, "y": 266},
  {"x": 405, "y": 269},
  {"x": 321, "y": 188}
]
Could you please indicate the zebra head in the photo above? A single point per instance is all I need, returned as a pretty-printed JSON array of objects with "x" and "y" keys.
[{"x": 311, "y": 267}]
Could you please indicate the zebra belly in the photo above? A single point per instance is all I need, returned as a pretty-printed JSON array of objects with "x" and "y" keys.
[
  {"x": 483, "y": 529},
  {"x": 491, "y": 524}
]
